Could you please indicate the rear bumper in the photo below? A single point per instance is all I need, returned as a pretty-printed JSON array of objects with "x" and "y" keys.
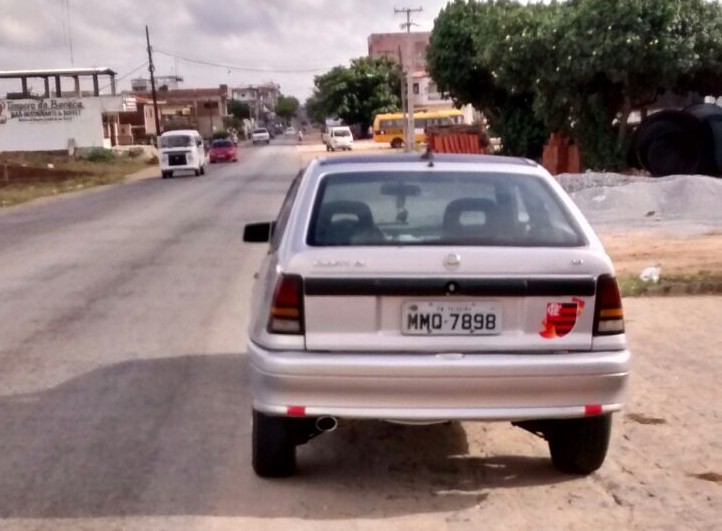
[{"x": 438, "y": 387}]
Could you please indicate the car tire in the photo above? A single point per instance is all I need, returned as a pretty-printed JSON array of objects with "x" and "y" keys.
[
  {"x": 166, "y": 174},
  {"x": 203, "y": 170},
  {"x": 396, "y": 143},
  {"x": 213, "y": 161},
  {"x": 274, "y": 446},
  {"x": 579, "y": 446},
  {"x": 197, "y": 172}
]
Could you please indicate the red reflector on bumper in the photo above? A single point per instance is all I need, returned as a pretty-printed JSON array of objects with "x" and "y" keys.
[
  {"x": 296, "y": 411},
  {"x": 593, "y": 409}
]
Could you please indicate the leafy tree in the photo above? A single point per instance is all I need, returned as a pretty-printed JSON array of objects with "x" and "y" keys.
[
  {"x": 287, "y": 107},
  {"x": 358, "y": 92},
  {"x": 467, "y": 39},
  {"x": 239, "y": 110},
  {"x": 582, "y": 66},
  {"x": 314, "y": 110}
]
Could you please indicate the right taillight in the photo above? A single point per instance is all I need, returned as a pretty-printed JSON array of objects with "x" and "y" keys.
[
  {"x": 608, "y": 313},
  {"x": 287, "y": 305}
]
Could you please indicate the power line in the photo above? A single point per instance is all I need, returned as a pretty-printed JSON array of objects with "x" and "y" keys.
[
  {"x": 70, "y": 31},
  {"x": 130, "y": 73},
  {"x": 241, "y": 68}
]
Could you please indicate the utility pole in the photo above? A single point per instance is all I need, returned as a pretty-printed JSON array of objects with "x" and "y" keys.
[
  {"x": 410, "y": 128},
  {"x": 404, "y": 86},
  {"x": 151, "y": 69}
]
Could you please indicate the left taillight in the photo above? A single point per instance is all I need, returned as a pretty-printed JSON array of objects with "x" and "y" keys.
[{"x": 287, "y": 306}]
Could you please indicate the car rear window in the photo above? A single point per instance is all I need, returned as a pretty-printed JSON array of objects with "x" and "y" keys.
[
  {"x": 425, "y": 208},
  {"x": 260, "y": 131},
  {"x": 222, "y": 144},
  {"x": 341, "y": 132}
]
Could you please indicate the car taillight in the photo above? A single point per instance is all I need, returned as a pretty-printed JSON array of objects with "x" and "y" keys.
[
  {"x": 608, "y": 313},
  {"x": 286, "y": 306}
]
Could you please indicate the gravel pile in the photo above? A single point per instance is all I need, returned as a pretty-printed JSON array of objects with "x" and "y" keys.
[{"x": 690, "y": 202}]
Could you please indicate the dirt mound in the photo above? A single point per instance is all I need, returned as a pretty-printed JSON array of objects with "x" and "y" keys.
[{"x": 685, "y": 198}]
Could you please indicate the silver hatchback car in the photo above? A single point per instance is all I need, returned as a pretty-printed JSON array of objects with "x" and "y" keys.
[{"x": 424, "y": 288}]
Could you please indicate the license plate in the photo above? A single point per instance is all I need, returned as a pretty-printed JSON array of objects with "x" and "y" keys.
[{"x": 450, "y": 318}]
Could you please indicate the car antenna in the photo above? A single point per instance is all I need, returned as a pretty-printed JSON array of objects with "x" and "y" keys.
[{"x": 428, "y": 155}]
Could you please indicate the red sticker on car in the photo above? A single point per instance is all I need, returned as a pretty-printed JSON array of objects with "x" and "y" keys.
[{"x": 561, "y": 317}]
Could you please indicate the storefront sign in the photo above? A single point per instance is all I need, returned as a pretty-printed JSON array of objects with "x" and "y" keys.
[{"x": 42, "y": 110}]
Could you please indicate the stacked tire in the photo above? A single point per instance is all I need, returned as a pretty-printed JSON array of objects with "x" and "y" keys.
[{"x": 674, "y": 142}]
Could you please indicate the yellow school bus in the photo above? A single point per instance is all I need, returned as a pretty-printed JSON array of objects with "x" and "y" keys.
[{"x": 389, "y": 128}]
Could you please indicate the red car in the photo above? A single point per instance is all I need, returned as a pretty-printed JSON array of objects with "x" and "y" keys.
[{"x": 223, "y": 150}]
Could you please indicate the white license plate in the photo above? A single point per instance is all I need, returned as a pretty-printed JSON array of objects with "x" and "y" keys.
[{"x": 450, "y": 318}]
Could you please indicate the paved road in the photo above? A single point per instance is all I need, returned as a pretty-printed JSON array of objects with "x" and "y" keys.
[{"x": 123, "y": 398}]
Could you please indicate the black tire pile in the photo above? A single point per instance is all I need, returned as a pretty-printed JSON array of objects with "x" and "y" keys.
[{"x": 680, "y": 142}]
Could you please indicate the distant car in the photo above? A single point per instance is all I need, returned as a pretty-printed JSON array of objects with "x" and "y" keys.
[
  {"x": 290, "y": 131},
  {"x": 223, "y": 150},
  {"x": 339, "y": 138},
  {"x": 427, "y": 288},
  {"x": 261, "y": 136},
  {"x": 181, "y": 150}
]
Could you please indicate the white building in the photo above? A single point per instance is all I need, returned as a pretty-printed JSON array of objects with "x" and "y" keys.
[{"x": 59, "y": 119}]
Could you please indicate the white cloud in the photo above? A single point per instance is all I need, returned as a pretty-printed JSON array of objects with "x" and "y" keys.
[{"x": 258, "y": 34}]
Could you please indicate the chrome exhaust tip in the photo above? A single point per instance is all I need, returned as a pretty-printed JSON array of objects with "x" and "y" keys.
[{"x": 324, "y": 424}]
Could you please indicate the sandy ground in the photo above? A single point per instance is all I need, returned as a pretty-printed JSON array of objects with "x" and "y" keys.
[{"x": 674, "y": 254}]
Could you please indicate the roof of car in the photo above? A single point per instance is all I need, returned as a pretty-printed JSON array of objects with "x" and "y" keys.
[
  {"x": 180, "y": 132},
  {"x": 416, "y": 157}
]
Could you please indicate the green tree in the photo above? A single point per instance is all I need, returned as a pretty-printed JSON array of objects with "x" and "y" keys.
[
  {"x": 358, "y": 92},
  {"x": 286, "y": 107},
  {"x": 315, "y": 110},
  {"x": 580, "y": 66},
  {"x": 467, "y": 39},
  {"x": 239, "y": 110}
]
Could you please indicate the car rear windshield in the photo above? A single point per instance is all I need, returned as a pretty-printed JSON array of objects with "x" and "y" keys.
[
  {"x": 425, "y": 208},
  {"x": 341, "y": 132},
  {"x": 260, "y": 131},
  {"x": 222, "y": 144},
  {"x": 176, "y": 141}
]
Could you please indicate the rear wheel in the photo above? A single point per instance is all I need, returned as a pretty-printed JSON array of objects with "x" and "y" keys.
[
  {"x": 166, "y": 174},
  {"x": 579, "y": 446},
  {"x": 396, "y": 143},
  {"x": 197, "y": 172},
  {"x": 274, "y": 445},
  {"x": 203, "y": 170}
]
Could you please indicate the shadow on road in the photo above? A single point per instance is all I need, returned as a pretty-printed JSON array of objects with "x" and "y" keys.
[{"x": 172, "y": 437}]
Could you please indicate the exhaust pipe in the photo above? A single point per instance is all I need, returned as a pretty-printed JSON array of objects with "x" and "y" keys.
[{"x": 324, "y": 424}]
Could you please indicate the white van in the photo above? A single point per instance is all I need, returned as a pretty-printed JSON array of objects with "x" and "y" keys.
[
  {"x": 339, "y": 138},
  {"x": 181, "y": 150}
]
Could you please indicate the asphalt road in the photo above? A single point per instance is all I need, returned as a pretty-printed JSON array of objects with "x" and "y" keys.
[{"x": 124, "y": 404}]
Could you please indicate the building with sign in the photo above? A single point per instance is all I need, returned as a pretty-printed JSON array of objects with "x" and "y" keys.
[{"x": 59, "y": 117}]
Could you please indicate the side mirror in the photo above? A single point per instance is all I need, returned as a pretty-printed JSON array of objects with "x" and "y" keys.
[{"x": 259, "y": 232}]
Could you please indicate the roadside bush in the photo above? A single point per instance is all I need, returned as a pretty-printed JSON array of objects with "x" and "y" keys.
[
  {"x": 152, "y": 160},
  {"x": 219, "y": 135},
  {"x": 134, "y": 153},
  {"x": 100, "y": 155}
]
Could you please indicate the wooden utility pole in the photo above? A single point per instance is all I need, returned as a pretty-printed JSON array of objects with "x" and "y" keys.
[
  {"x": 410, "y": 128},
  {"x": 151, "y": 69}
]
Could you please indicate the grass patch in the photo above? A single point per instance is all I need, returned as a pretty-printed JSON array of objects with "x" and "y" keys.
[
  {"x": 59, "y": 173},
  {"x": 702, "y": 282}
]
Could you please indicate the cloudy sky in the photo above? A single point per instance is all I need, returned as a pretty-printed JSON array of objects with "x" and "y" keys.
[{"x": 286, "y": 41}]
